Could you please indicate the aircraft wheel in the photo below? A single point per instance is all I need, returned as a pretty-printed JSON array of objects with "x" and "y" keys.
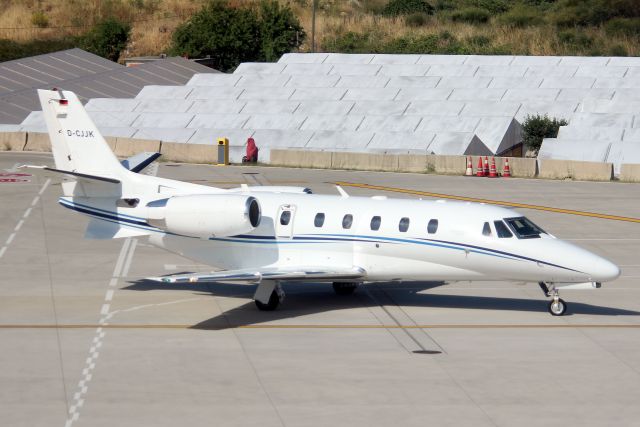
[
  {"x": 557, "y": 308},
  {"x": 274, "y": 302},
  {"x": 344, "y": 288}
]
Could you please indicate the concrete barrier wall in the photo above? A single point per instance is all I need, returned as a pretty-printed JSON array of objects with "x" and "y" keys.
[
  {"x": 630, "y": 172},
  {"x": 451, "y": 165},
  {"x": 301, "y": 158},
  {"x": 571, "y": 169},
  {"x": 189, "y": 153},
  {"x": 364, "y": 161},
  {"x": 127, "y": 147},
  {"x": 12, "y": 141},
  {"x": 37, "y": 142},
  {"x": 520, "y": 167}
]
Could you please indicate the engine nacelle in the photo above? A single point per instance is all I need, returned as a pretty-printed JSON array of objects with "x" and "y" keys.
[{"x": 205, "y": 215}]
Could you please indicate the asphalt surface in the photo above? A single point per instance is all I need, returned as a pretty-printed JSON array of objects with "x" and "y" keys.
[{"x": 85, "y": 341}]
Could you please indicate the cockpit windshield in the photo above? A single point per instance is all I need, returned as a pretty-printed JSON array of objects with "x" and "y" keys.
[{"x": 523, "y": 228}]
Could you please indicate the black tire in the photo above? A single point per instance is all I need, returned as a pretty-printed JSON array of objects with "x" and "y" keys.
[
  {"x": 274, "y": 302},
  {"x": 344, "y": 288},
  {"x": 558, "y": 310}
]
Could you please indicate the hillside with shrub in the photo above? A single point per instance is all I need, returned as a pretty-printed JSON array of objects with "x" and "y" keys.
[{"x": 522, "y": 27}]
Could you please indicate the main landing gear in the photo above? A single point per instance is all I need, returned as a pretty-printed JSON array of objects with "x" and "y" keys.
[
  {"x": 269, "y": 295},
  {"x": 557, "y": 306},
  {"x": 344, "y": 288}
]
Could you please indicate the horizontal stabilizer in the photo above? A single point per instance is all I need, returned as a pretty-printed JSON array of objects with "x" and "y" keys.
[
  {"x": 140, "y": 161},
  {"x": 48, "y": 172},
  {"x": 101, "y": 230},
  {"x": 256, "y": 275}
]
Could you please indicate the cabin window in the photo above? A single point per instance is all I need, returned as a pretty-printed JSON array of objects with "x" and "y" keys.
[
  {"x": 524, "y": 228},
  {"x": 285, "y": 217},
  {"x": 502, "y": 230},
  {"x": 319, "y": 220},
  {"x": 375, "y": 223},
  {"x": 432, "y": 227},
  {"x": 403, "y": 226},
  {"x": 347, "y": 221},
  {"x": 486, "y": 229}
]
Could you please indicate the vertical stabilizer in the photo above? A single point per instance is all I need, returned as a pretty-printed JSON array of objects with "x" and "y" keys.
[{"x": 75, "y": 141}]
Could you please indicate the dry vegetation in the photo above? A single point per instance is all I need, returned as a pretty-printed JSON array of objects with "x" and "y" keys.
[{"x": 153, "y": 22}]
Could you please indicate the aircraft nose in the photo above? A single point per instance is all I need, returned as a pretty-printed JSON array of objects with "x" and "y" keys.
[{"x": 603, "y": 270}]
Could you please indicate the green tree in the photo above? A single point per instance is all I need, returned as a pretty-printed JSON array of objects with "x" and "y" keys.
[
  {"x": 107, "y": 38},
  {"x": 280, "y": 30},
  {"x": 536, "y": 128}
]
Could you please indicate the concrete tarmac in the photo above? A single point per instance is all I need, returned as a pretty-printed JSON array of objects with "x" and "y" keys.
[{"x": 86, "y": 342}]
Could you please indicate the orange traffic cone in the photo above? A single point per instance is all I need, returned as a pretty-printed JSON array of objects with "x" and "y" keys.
[
  {"x": 486, "y": 166},
  {"x": 493, "y": 173},
  {"x": 506, "y": 171},
  {"x": 469, "y": 171},
  {"x": 480, "y": 171}
]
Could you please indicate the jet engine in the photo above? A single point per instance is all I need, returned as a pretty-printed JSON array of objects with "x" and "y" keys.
[{"x": 205, "y": 215}]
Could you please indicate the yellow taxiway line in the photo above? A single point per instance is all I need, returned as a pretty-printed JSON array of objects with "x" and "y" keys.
[
  {"x": 311, "y": 326},
  {"x": 487, "y": 201}
]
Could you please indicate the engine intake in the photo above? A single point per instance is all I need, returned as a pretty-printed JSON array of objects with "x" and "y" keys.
[{"x": 205, "y": 215}]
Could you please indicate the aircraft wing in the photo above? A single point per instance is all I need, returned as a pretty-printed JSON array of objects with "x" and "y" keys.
[{"x": 268, "y": 273}]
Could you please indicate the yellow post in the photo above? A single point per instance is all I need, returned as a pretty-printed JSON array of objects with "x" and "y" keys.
[{"x": 223, "y": 151}]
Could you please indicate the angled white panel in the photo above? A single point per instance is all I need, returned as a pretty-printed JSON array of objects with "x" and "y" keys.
[
  {"x": 266, "y": 93},
  {"x": 484, "y": 94},
  {"x": 164, "y": 105},
  {"x": 551, "y": 71},
  {"x": 516, "y": 82},
  {"x": 371, "y": 94},
  {"x": 274, "y": 138},
  {"x": 319, "y": 93},
  {"x": 607, "y": 106},
  {"x": 275, "y": 121},
  {"x": 574, "y": 149},
  {"x": 413, "y": 82},
  {"x": 603, "y": 120},
  {"x": 218, "y": 121},
  {"x": 422, "y": 94},
  {"x": 624, "y": 61},
  {"x": 165, "y": 134},
  {"x": 498, "y": 133},
  {"x": 501, "y": 60},
  {"x": 267, "y": 106},
  {"x": 340, "y": 140},
  {"x": 536, "y": 61},
  {"x": 589, "y": 132},
  {"x": 9, "y": 128},
  {"x": 555, "y": 109},
  {"x": 213, "y": 79},
  {"x": 585, "y": 60},
  {"x": 383, "y": 108},
  {"x": 435, "y": 108},
  {"x": 442, "y": 59},
  {"x": 403, "y": 70},
  {"x": 164, "y": 92},
  {"x": 568, "y": 82},
  {"x": 630, "y": 81},
  {"x": 355, "y": 69},
  {"x": 391, "y": 123},
  {"x": 307, "y": 70},
  {"x": 448, "y": 124},
  {"x": 490, "y": 108},
  {"x": 453, "y": 143},
  {"x": 621, "y": 95},
  {"x": 332, "y": 122},
  {"x": 113, "y": 118},
  {"x": 215, "y": 106},
  {"x": 401, "y": 142},
  {"x": 263, "y": 80},
  {"x": 162, "y": 120},
  {"x": 35, "y": 118},
  {"x": 501, "y": 70},
  {"x": 215, "y": 92},
  {"x": 303, "y": 58},
  {"x": 237, "y": 137},
  {"x": 464, "y": 82},
  {"x": 111, "y": 104},
  {"x": 601, "y": 71},
  {"x": 395, "y": 59},
  {"x": 34, "y": 128},
  {"x": 581, "y": 94},
  {"x": 312, "y": 80},
  {"x": 623, "y": 152},
  {"x": 447, "y": 70},
  {"x": 631, "y": 135},
  {"x": 310, "y": 107},
  {"x": 259, "y": 67},
  {"x": 524, "y": 95},
  {"x": 122, "y": 132},
  {"x": 345, "y": 58},
  {"x": 362, "y": 81}
]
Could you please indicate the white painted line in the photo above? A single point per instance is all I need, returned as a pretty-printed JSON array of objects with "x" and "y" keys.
[
  {"x": 26, "y": 213},
  {"x": 127, "y": 264},
  {"x": 2, "y": 251},
  {"x": 10, "y": 239},
  {"x": 19, "y": 225},
  {"x": 105, "y": 309},
  {"x": 35, "y": 201},
  {"x": 109, "y": 295}
]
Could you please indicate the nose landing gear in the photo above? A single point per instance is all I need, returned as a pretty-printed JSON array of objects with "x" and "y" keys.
[{"x": 557, "y": 306}]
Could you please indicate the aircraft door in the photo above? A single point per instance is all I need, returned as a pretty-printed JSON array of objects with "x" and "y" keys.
[{"x": 284, "y": 221}]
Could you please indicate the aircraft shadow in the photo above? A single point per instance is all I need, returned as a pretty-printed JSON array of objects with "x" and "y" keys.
[{"x": 304, "y": 299}]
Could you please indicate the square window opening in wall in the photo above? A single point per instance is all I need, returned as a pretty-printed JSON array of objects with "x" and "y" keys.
[
  {"x": 319, "y": 220},
  {"x": 432, "y": 227},
  {"x": 347, "y": 221},
  {"x": 403, "y": 226},
  {"x": 375, "y": 223}
]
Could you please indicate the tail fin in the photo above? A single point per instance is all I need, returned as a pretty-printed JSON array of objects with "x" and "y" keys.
[{"x": 76, "y": 142}]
